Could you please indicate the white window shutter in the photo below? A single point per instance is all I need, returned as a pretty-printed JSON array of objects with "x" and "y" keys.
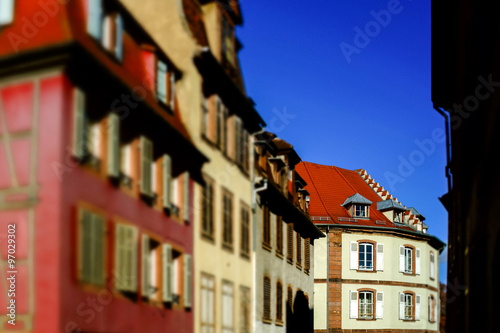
[
  {"x": 417, "y": 261},
  {"x": 79, "y": 124},
  {"x": 119, "y": 37},
  {"x": 187, "y": 280},
  {"x": 94, "y": 18},
  {"x": 353, "y": 297},
  {"x": 185, "y": 192},
  {"x": 379, "y": 310},
  {"x": 6, "y": 12},
  {"x": 417, "y": 307},
  {"x": 167, "y": 177},
  {"x": 145, "y": 267},
  {"x": 354, "y": 255},
  {"x": 401, "y": 258},
  {"x": 167, "y": 273},
  {"x": 380, "y": 257},
  {"x": 401, "y": 306},
  {"x": 113, "y": 145},
  {"x": 161, "y": 81},
  {"x": 146, "y": 161}
]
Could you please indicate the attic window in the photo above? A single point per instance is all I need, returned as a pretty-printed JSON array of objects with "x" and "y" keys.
[
  {"x": 360, "y": 211},
  {"x": 398, "y": 216}
]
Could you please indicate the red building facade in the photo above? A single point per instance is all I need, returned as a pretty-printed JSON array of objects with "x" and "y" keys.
[{"x": 96, "y": 174}]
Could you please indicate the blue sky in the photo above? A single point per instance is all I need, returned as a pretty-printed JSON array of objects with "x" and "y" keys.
[{"x": 373, "y": 111}]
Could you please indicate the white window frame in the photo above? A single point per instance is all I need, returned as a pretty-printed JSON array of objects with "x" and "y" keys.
[
  {"x": 363, "y": 211},
  {"x": 365, "y": 260},
  {"x": 408, "y": 260},
  {"x": 363, "y": 313}
]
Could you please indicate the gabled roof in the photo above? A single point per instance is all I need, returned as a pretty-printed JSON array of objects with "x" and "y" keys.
[
  {"x": 329, "y": 186},
  {"x": 389, "y": 204},
  {"x": 357, "y": 199}
]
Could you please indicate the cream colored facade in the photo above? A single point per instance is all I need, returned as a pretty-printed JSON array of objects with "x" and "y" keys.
[
  {"x": 387, "y": 280},
  {"x": 165, "y": 21}
]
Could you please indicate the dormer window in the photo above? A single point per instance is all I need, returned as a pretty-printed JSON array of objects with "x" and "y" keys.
[
  {"x": 360, "y": 210},
  {"x": 357, "y": 206},
  {"x": 392, "y": 210},
  {"x": 398, "y": 216}
]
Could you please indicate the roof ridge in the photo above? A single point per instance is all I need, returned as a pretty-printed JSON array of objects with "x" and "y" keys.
[
  {"x": 341, "y": 175},
  {"x": 314, "y": 185}
]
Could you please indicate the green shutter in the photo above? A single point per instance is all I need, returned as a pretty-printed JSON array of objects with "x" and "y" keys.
[
  {"x": 186, "y": 204},
  {"x": 187, "y": 280},
  {"x": 167, "y": 178},
  {"x": 146, "y": 291},
  {"x": 113, "y": 145},
  {"x": 167, "y": 278},
  {"x": 79, "y": 124},
  {"x": 146, "y": 147},
  {"x": 98, "y": 265}
]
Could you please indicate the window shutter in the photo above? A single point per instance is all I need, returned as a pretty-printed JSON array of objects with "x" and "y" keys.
[
  {"x": 86, "y": 248},
  {"x": 380, "y": 257},
  {"x": 6, "y": 12},
  {"x": 167, "y": 273},
  {"x": 432, "y": 266},
  {"x": 167, "y": 177},
  {"x": 79, "y": 123},
  {"x": 185, "y": 191},
  {"x": 131, "y": 248},
  {"x": 187, "y": 280},
  {"x": 161, "y": 81},
  {"x": 172, "y": 90},
  {"x": 429, "y": 308},
  {"x": 146, "y": 161},
  {"x": 402, "y": 305},
  {"x": 145, "y": 266},
  {"x": 267, "y": 298},
  {"x": 379, "y": 310},
  {"x": 401, "y": 258},
  {"x": 417, "y": 307},
  {"x": 98, "y": 271},
  {"x": 113, "y": 145},
  {"x": 94, "y": 18},
  {"x": 353, "y": 303},
  {"x": 437, "y": 314},
  {"x": 120, "y": 257},
  {"x": 417, "y": 261},
  {"x": 354, "y": 255},
  {"x": 119, "y": 37}
]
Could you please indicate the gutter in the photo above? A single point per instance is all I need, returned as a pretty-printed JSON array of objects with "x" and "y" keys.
[
  {"x": 416, "y": 233},
  {"x": 445, "y": 200},
  {"x": 327, "y": 279}
]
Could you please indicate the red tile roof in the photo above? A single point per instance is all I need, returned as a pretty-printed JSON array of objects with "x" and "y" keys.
[{"x": 330, "y": 186}]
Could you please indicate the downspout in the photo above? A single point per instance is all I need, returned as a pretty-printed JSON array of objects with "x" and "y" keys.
[
  {"x": 254, "y": 218},
  {"x": 327, "y": 279},
  {"x": 446, "y": 116}
]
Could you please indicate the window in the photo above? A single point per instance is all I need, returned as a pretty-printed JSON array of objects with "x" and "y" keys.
[
  {"x": 165, "y": 84},
  {"x": 398, "y": 216},
  {"x": 366, "y": 256},
  {"x": 80, "y": 125},
  {"x": 299, "y": 250},
  {"x": 432, "y": 268},
  {"x": 360, "y": 211},
  {"x": 245, "y": 307},
  {"x": 228, "y": 49},
  {"x": 207, "y": 217},
  {"x": 6, "y": 12},
  {"x": 409, "y": 306},
  {"x": 279, "y": 302},
  {"x": 266, "y": 316},
  {"x": 221, "y": 126},
  {"x": 150, "y": 277},
  {"x": 205, "y": 117},
  {"x": 227, "y": 220},
  {"x": 366, "y": 305},
  {"x": 93, "y": 149},
  {"x": 126, "y": 249},
  {"x": 279, "y": 236},
  {"x": 266, "y": 227},
  {"x": 207, "y": 303},
  {"x": 289, "y": 232},
  {"x": 94, "y": 18},
  {"x": 112, "y": 34},
  {"x": 91, "y": 247},
  {"x": 408, "y": 260},
  {"x": 227, "y": 307},
  {"x": 245, "y": 231},
  {"x": 307, "y": 255},
  {"x": 177, "y": 276}
]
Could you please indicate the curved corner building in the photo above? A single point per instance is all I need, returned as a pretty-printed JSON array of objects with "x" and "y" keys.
[{"x": 377, "y": 269}]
